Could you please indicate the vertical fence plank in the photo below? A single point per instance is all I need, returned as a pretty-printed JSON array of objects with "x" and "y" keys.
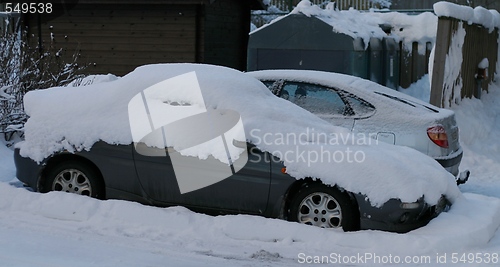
[
  {"x": 443, "y": 38},
  {"x": 341, "y": 4}
]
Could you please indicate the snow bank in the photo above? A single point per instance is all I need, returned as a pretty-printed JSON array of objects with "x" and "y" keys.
[
  {"x": 490, "y": 19},
  {"x": 237, "y": 240},
  {"x": 420, "y": 89},
  {"x": 75, "y": 118},
  {"x": 479, "y": 122}
]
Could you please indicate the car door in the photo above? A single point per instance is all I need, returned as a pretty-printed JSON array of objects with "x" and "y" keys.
[
  {"x": 327, "y": 103},
  {"x": 245, "y": 191}
]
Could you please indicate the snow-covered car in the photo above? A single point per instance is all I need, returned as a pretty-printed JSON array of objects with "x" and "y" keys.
[
  {"x": 218, "y": 141},
  {"x": 365, "y": 106}
]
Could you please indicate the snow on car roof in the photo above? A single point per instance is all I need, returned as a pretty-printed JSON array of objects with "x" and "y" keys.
[{"x": 74, "y": 118}]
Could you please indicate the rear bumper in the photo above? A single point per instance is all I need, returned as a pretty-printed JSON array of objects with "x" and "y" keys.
[
  {"x": 451, "y": 162},
  {"x": 395, "y": 218}
]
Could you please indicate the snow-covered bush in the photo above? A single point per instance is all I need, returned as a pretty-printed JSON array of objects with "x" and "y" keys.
[{"x": 26, "y": 68}]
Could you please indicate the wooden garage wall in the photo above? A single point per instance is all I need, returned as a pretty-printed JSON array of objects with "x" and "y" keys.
[
  {"x": 118, "y": 38},
  {"x": 225, "y": 29}
]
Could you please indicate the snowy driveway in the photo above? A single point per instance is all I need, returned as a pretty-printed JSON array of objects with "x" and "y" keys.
[{"x": 58, "y": 229}]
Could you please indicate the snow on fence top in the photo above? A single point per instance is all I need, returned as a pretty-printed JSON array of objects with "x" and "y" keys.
[
  {"x": 366, "y": 25},
  {"x": 490, "y": 19}
]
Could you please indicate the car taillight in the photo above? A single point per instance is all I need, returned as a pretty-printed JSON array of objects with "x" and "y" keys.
[{"x": 438, "y": 135}]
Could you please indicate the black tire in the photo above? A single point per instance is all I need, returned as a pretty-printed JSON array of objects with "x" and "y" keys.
[
  {"x": 74, "y": 177},
  {"x": 324, "y": 206}
]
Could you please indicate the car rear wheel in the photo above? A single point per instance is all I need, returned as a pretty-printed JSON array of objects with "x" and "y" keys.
[
  {"x": 74, "y": 177},
  {"x": 324, "y": 206}
]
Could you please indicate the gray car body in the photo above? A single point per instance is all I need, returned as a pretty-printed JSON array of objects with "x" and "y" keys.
[{"x": 260, "y": 188}]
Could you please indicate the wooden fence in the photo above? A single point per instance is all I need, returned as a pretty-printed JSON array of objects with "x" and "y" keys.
[
  {"x": 287, "y": 5},
  {"x": 356, "y": 4},
  {"x": 448, "y": 84},
  {"x": 412, "y": 64}
]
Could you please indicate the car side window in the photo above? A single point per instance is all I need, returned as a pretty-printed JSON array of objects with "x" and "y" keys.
[
  {"x": 317, "y": 99},
  {"x": 269, "y": 84},
  {"x": 359, "y": 106}
]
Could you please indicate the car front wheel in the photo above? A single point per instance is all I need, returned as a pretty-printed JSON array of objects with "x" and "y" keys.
[
  {"x": 74, "y": 177},
  {"x": 324, "y": 206}
]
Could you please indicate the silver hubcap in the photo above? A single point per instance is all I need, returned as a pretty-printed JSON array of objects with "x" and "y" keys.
[
  {"x": 320, "y": 209},
  {"x": 72, "y": 181}
]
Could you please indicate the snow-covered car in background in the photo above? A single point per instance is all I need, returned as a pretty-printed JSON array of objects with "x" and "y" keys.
[
  {"x": 365, "y": 106},
  {"x": 283, "y": 161}
]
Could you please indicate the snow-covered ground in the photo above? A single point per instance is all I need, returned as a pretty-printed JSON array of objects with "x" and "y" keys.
[{"x": 58, "y": 229}]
